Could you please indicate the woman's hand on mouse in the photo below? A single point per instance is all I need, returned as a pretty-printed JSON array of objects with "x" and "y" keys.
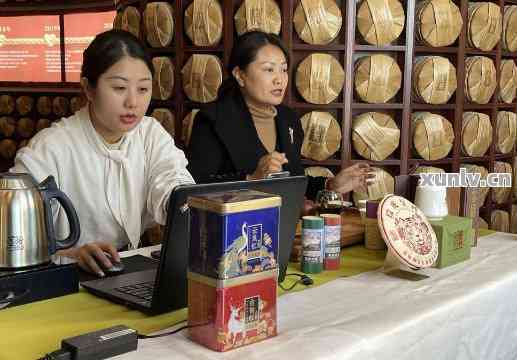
[
  {"x": 270, "y": 163},
  {"x": 92, "y": 257}
]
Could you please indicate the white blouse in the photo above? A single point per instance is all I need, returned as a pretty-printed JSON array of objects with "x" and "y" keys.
[{"x": 117, "y": 192}]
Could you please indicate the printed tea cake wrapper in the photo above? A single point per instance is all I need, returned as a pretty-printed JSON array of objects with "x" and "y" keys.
[
  {"x": 377, "y": 78},
  {"x": 320, "y": 78},
  {"x": 202, "y": 77},
  {"x": 322, "y": 135},
  {"x": 204, "y": 22},
  {"x": 317, "y": 22},
  {"x": 262, "y": 15},
  {"x": 380, "y": 22},
  {"x": 476, "y": 133},
  {"x": 375, "y": 136}
]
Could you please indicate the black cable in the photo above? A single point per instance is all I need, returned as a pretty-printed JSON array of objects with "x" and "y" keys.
[
  {"x": 58, "y": 355},
  {"x": 142, "y": 336},
  {"x": 303, "y": 280}
]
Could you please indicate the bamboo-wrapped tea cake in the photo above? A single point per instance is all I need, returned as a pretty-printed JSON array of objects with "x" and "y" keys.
[
  {"x": 163, "y": 80},
  {"x": 434, "y": 80},
  {"x": 429, "y": 170},
  {"x": 437, "y": 22},
  {"x": 188, "y": 122},
  {"x": 380, "y": 22},
  {"x": 42, "y": 124},
  {"x": 481, "y": 192},
  {"x": 76, "y": 103},
  {"x": 202, "y": 76},
  {"x": 476, "y": 133},
  {"x": 508, "y": 81},
  {"x": 317, "y": 22},
  {"x": 513, "y": 220},
  {"x": 506, "y": 131},
  {"x": 7, "y": 104},
  {"x": 501, "y": 194},
  {"x": 128, "y": 19},
  {"x": 318, "y": 171},
  {"x": 23, "y": 143},
  {"x": 375, "y": 135},
  {"x": 377, "y": 78},
  {"x": 322, "y": 135},
  {"x": 44, "y": 105},
  {"x": 7, "y": 126},
  {"x": 510, "y": 28},
  {"x": 262, "y": 15},
  {"x": 484, "y": 26},
  {"x": 204, "y": 22},
  {"x": 25, "y": 127},
  {"x": 383, "y": 184},
  {"x": 166, "y": 118},
  {"x": 319, "y": 78},
  {"x": 500, "y": 221},
  {"x": 159, "y": 23},
  {"x": 8, "y": 149},
  {"x": 433, "y": 135},
  {"x": 514, "y": 178},
  {"x": 24, "y": 104},
  {"x": 60, "y": 105},
  {"x": 480, "y": 79}
]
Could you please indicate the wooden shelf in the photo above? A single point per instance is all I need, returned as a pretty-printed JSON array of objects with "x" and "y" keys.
[
  {"x": 323, "y": 48},
  {"x": 58, "y": 89},
  {"x": 472, "y": 51},
  {"x": 436, "y": 50},
  {"x": 503, "y": 156},
  {"x": 507, "y": 53},
  {"x": 471, "y": 159},
  {"x": 385, "y": 106},
  {"x": 301, "y": 105},
  {"x": 431, "y": 162},
  {"x": 329, "y": 162},
  {"x": 389, "y": 48},
  {"x": 387, "y": 162},
  {"x": 435, "y": 107},
  {"x": 471, "y": 106}
]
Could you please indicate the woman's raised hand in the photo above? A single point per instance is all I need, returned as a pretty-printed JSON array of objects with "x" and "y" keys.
[
  {"x": 270, "y": 163},
  {"x": 355, "y": 177}
]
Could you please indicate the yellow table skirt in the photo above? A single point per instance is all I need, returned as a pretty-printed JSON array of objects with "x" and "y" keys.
[{"x": 30, "y": 331}]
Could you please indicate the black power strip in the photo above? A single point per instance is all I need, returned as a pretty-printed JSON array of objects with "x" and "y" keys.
[{"x": 97, "y": 345}]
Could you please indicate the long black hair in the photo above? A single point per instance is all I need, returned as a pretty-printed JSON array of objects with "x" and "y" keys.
[
  {"x": 244, "y": 52},
  {"x": 108, "y": 48}
]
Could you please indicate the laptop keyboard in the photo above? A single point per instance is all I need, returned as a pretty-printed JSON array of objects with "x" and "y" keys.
[{"x": 142, "y": 290}]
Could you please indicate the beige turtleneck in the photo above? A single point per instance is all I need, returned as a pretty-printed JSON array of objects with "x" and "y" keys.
[{"x": 264, "y": 120}]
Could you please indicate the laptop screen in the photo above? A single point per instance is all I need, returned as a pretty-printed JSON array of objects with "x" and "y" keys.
[{"x": 172, "y": 272}]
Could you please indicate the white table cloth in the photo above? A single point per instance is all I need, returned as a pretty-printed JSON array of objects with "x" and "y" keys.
[{"x": 467, "y": 311}]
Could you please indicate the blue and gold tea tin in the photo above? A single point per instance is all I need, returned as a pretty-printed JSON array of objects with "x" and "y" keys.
[{"x": 233, "y": 233}]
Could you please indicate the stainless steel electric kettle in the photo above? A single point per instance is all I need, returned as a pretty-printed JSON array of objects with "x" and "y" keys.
[{"x": 27, "y": 234}]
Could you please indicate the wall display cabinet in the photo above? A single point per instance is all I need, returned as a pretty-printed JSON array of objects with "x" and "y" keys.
[{"x": 400, "y": 84}]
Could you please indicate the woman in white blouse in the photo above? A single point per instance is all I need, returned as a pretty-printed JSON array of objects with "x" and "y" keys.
[{"x": 116, "y": 165}]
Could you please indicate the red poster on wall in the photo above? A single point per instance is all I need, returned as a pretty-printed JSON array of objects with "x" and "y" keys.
[
  {"x": 30, "y": 49},
  {"x": 80, "y": 29}
]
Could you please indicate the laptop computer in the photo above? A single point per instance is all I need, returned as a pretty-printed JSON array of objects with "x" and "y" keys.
[{"x": 163, "y": 287}]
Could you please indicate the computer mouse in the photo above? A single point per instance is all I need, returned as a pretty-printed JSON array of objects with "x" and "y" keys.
[{"x": 116, "y": 268}]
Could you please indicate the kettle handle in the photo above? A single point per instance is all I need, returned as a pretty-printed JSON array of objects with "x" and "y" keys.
[{"x": 49, "y": 191}]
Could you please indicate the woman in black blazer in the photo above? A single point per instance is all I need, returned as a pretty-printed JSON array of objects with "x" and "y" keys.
[{"x": 226, "y": 143}]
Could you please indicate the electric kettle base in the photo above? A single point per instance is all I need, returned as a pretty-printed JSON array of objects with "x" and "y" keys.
[{"x": 22, "y": 286}]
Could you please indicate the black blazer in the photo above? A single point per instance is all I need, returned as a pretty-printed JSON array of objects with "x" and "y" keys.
[{"x": 225, "y": 146}]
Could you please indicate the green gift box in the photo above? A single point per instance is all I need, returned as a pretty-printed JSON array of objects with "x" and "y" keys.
[{"x": 454, "y": 236}]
